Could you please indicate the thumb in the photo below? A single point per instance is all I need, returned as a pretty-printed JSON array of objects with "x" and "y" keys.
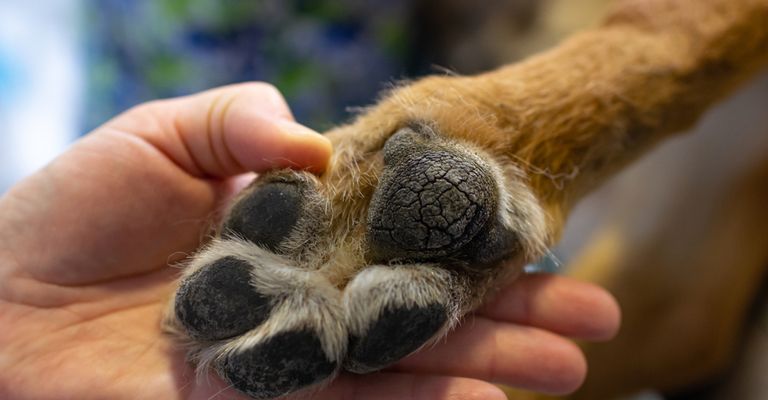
[{"x": 231, "y": 130}]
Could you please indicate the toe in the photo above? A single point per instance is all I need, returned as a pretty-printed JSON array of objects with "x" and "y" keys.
[
  {"x": 277, "y": 366},
  {"x": 218, "y": 302},
  {"x": 395, "y": 334}
]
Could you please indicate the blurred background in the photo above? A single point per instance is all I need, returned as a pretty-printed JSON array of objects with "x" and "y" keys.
[
  {"x": 40, "y": 107},
  {"x": 68, "y": 66}
]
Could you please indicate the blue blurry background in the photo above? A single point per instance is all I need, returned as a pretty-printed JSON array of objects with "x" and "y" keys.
[
  {"x": 40, "y": 106},
  {"x": 67, "y": 67}
]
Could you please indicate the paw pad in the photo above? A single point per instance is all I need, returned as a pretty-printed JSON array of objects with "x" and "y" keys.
[
  {"x": 432, "y": 199},
  {"x": 396, "y": 333},
  {"x": 218, "y": 302},
  {"x": 267, "y": 216},
  {"x": 277, "y": 366}
]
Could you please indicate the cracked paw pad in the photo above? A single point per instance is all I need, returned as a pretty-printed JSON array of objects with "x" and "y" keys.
[{"x": 432, "y": 200}]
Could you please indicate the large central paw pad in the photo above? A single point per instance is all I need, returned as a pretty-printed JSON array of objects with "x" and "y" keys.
[
  {"x": 435, "y": 201},
  {"x": 299, "y": 283}
]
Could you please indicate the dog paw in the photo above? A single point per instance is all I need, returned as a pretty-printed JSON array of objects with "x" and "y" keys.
[{"x": 355, "y": 270}]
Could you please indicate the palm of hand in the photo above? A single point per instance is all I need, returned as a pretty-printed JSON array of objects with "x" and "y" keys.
[{"x": 93, "y": 309}]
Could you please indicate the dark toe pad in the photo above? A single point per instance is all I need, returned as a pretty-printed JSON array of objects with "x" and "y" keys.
[
  {"x": 397, "y": 333},
  {"x": 280, "y": 365},
  {"x": 267, "y": 215},
  {"x": 218, "y": 301}
]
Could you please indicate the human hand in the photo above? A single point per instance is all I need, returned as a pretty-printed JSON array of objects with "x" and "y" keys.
[{"x": 86, "y": 244}]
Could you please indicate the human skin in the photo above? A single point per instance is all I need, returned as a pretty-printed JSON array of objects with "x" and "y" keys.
[{"x": 89, "y": 243}]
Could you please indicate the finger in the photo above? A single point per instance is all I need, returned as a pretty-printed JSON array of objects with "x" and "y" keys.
[
  {"x": 559, "y": 304},
  {"x": 390, "y": 385},
  {"x": 234, "y": 129},
  {"x": 509, "y": 354}
]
